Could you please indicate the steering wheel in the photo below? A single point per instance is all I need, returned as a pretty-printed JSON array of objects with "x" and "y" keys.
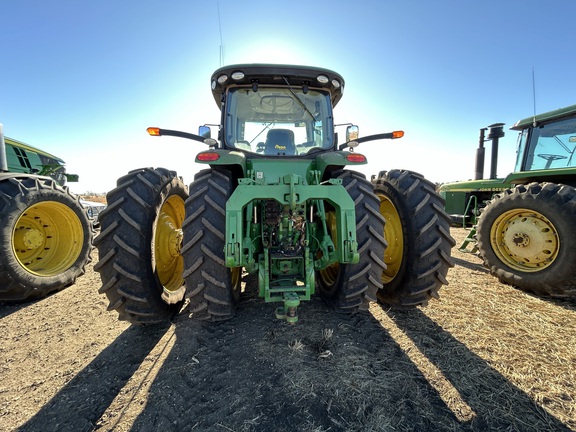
[{"x": 550, "y": 158}]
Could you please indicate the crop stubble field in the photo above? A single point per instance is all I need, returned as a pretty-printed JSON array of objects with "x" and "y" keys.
[{"x": 484, "y": 357}]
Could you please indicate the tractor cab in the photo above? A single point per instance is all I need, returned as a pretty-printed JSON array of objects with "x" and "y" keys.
[
  {"x": 547, "y": 142},
  {"x": 277, "y": 111}
]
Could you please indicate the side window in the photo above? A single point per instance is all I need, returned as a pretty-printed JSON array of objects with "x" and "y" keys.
[
  {"x": 18, "y": 160},
  {"x": 22, "y": 158},
  {"x": 521, "y": 149},
  {"x": 552, "y": 146}
]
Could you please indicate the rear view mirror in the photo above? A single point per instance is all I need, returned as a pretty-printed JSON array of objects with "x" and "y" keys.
[
  {"x": 205, "y": 132},
  {"x": 352, "y": 133}
]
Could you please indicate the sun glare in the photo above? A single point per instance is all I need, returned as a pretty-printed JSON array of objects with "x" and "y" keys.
[{"x": 272, "y": 51}]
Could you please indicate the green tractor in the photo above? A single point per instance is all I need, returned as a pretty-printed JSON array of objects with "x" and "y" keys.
[
  {"x": 465, "y": 198},
  {"x": 524, "y": 231},
  {"x": 45, "y": 233},
  {"x": 277, "y": 202}
]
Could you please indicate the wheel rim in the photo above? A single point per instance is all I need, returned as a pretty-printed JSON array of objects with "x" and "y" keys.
[
  {"x": 394, "y": 237},
  {"x": 525, "y": 240},
  {"x": 47, "y": 238},
  {"x": 168, "y": 242},
  {"x": 330, "y": 274}
]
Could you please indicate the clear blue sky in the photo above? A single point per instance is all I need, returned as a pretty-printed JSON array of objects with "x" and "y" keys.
[{"x": 83, "y": 79}]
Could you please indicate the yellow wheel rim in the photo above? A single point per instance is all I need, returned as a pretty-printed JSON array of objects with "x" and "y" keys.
[
  {"x": 47, "y": 238},
  {"x": 525, "y": 240},
  {"x": 168, "y": 242},
  {"x": 393, "y": 234},
  {"x": 330, "y": 274}
]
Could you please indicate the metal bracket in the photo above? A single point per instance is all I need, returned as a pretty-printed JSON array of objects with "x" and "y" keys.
[
  {"x": 470, "y": 238},
  {"x": 289, "y": 311}
]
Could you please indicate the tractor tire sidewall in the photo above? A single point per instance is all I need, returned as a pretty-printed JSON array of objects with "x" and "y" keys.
[
  {"x": 426, "y": 239},
  {"x": 399, "y": 201},
  {"x": 125, "y": 245},
  {"x": 212, "y": 289},
  {"x": 356, "y": 285},
  {"x": 17, "y": 195},
  {"x": 558, "y": 204}
]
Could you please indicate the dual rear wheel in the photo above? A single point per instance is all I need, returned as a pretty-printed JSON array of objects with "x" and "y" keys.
[
  {"x": 158, "y": 238},
  {"x": 140, "y": 263}
]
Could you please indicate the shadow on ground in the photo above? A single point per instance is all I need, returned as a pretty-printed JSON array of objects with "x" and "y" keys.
[
  {"x": 7, "y": 308},
  {"x": 497, "y": 403},
  {"x": 469, "y": 265},
  {"x": 329, "y": 372},
  {"x": 567, "y": 303},
  {"x": 254, "y": 373},
  {"x": 80, "y": 403}
]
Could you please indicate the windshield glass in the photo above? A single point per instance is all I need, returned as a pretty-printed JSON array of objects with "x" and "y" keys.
[
  {"x": 551, "y": 146},
  {"x": 278, "y": 121}
]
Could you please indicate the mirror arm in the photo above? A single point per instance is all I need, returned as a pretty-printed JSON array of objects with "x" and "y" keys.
[
  {"x": 187, "y": 135},
  {"x": 389, "y": 135}
]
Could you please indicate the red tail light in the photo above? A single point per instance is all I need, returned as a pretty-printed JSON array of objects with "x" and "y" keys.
[
  {"x": 355, "y": 158},
  {"x": 208, "y": 157}
]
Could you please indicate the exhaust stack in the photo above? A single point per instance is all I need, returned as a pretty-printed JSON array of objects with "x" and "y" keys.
[
  {"x": 496, "y": 132},
  {"x": 480, "y": 155}
]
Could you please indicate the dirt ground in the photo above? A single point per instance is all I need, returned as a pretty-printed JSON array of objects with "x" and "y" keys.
[{"x": 484, "y": 357}]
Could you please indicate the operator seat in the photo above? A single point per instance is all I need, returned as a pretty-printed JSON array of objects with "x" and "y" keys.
[{"x": 280, "y": 142}]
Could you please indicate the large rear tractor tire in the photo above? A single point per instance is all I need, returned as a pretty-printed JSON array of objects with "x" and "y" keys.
[
  {"x": 350, "y": 287},
  {"x": 527, "y": 239},
  {"x": 417, "y": 230},
  {"x": 45, "y": 237},
  {"x": 140, "y": 264},
  {"x": 213, "y": 289}
]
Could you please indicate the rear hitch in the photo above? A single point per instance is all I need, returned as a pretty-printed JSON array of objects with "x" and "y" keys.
[{"x": 289, "y": 311}]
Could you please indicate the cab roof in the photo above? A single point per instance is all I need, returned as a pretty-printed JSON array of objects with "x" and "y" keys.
[
  {"x": 28, "y": 147},
  {"x": 546, "y": 117},
  {"x": 276, "y": 74}
]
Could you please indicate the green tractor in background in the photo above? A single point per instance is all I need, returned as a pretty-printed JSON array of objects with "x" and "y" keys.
[
  {"x": 524, "y": 232},
  {"x": 277, "y": 202},
  {"x": 45, "y": 233}
]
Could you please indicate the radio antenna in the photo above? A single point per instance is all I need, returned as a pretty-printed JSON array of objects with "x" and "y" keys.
[
  {"x": 533, "y": 97},
  {"x": 220, "y": 29}
]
